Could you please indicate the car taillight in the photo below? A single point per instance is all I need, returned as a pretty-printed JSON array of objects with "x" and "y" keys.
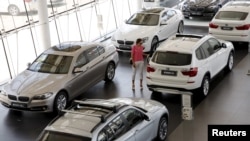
[
  {"x": 191, "y": 72},
  {"x": 150, "y": 69},
  {"x": 243, "y": 27},
  {"x": 212, "y": 25}
]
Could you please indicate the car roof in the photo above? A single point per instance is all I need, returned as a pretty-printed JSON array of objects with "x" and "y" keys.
[
  {"x": 84, "y": 116},
  {"x": 182, "y": 43},
  {"x": 243, "y": 6},
  {"x": 70, "y": 48}
]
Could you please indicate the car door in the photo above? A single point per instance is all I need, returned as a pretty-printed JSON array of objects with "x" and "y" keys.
[
  {"x": 137, "y": 125},
  {"x": 117, "y": 130},
  {"x": 169, "y": 28},
  {"x": 90, "y": 67},
  {"x": 220, "y": 54},
  {"x": 210, "y": 58}
]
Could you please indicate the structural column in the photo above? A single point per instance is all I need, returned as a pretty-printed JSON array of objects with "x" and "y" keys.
[
  {"x": 44, "y": 31},
  {"x": 139, "y": 4}
]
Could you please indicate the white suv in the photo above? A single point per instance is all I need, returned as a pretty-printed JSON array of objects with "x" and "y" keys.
[
  {"x": 184, "y": 63},
  {"x": 232, "y": 22}
]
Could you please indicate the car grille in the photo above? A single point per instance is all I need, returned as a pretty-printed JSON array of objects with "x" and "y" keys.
[
  {"x": 12, "y": 97},
  {"x": 20, "y": 98},
  {"x": 197, "y": 9},
  {"x": 23, "y": 98},
  {"x": 125, "y": 42}
]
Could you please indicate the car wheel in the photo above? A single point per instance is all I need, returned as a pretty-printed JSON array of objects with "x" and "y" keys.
[
  {"x": 60, "y": 102},
  {"x": 205, "y": 86},
  {"x": 180, "y": 27},
  {"x": 162, "y": 129},
  {"x": 110, "y": 72},
  {"x": 154, "y": 45},
  {"x": 230, "y": 62},
  {"x": 13, "y": 10}
]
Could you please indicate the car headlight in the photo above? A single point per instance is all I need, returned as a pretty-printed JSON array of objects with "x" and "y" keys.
[
  {"x": 43, "y": 96},
  {"x": 145, "y": 39},
  {"x": 3, "y": 92}
]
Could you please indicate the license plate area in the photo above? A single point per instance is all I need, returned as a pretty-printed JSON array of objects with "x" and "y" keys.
[
  {"x": 226, "y": 28},
  {"x": 125, "y": 47},
  {"x": 18, "y": 105},
  {"x": 169, "y": 73}
]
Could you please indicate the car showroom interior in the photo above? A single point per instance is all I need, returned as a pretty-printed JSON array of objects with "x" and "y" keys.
[{"x": 124, "y": 70}]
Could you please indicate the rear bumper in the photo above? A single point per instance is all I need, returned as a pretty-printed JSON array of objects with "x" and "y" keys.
[{"x": 169, "y": 90}]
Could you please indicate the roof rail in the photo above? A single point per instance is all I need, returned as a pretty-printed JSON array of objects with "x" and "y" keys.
[
  {"x": 80, "y": 113},
  {"x": 189, "y": 35},
  {"x": 90, "y": 103}
]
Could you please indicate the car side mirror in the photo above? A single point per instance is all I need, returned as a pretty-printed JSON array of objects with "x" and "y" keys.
[
  {"x": 146, "y": 118},
  {"x": 28, "y": 65},
  {"x": 223, "y": 45},
  {"x": 77, "y": 70}
]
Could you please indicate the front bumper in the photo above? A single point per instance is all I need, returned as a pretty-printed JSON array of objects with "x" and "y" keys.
[{"x": 32, "y": 105}]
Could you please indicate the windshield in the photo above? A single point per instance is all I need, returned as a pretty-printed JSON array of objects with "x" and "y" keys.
[
  {"x": 51, "y": 63},
  {"x": 55, "y": 136},
  {"x": 144, "y": 19}
]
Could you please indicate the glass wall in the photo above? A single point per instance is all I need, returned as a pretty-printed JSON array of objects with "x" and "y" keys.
[{"x": 74, "y": 20}]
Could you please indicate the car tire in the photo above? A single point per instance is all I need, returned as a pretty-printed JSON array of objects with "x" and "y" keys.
[
  {"x": 110, "y": 72},
  {"x": 162, "y": 129},
  {"x": 60, "y": 102},
  {"x": 230, "y": 62},
  {"x": 13, "y": 10},
  {"x": 205, "y": 86},
  {"x": 180, "y": 27}
]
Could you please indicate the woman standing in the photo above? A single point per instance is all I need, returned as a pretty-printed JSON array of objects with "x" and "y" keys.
[{"x": 137, "y": 62}]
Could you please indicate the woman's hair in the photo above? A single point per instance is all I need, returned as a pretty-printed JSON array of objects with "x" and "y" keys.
[{"x": 138, "y": 40}]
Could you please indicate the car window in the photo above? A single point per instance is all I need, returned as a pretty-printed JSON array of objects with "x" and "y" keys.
[
  {"x": 133, "y": 117},
  {"x": 172, "y": 58},
  {"x": 92, "y": 53},
  {"x": 231, "y": 15},
  {"x": 81, "y": 60},
  {"x": 113, "y": 130},
  {"x": 214, "y": 44},
  {"x": 199, "y": 54},
  {"x": 208, "y": 50},
  {"x": 170, "y": 14},
  {"x": 101, "y": 49}
]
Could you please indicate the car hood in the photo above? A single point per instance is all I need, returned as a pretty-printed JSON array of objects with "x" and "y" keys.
[
  {"x": 202, "y": 3},
  {"x": 132, "y": 32},
  {"x": 146, "y": 104},
  {"x": 30, "y": 83}
]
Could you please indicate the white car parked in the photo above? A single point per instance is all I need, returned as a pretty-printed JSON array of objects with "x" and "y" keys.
[
  {"x": 58, "y": 75},
  {"x": 152, "y": 25},
  {"x": 232, "y": 22},
  {"x": 184, "y": 63},
  {"x": 14, "y": 7}
]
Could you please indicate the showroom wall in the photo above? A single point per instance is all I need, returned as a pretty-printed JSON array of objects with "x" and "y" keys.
[{"x": 69, "y": 20}]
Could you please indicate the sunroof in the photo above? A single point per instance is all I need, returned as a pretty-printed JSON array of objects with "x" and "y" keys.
[{"x": 66, "y": 47}]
